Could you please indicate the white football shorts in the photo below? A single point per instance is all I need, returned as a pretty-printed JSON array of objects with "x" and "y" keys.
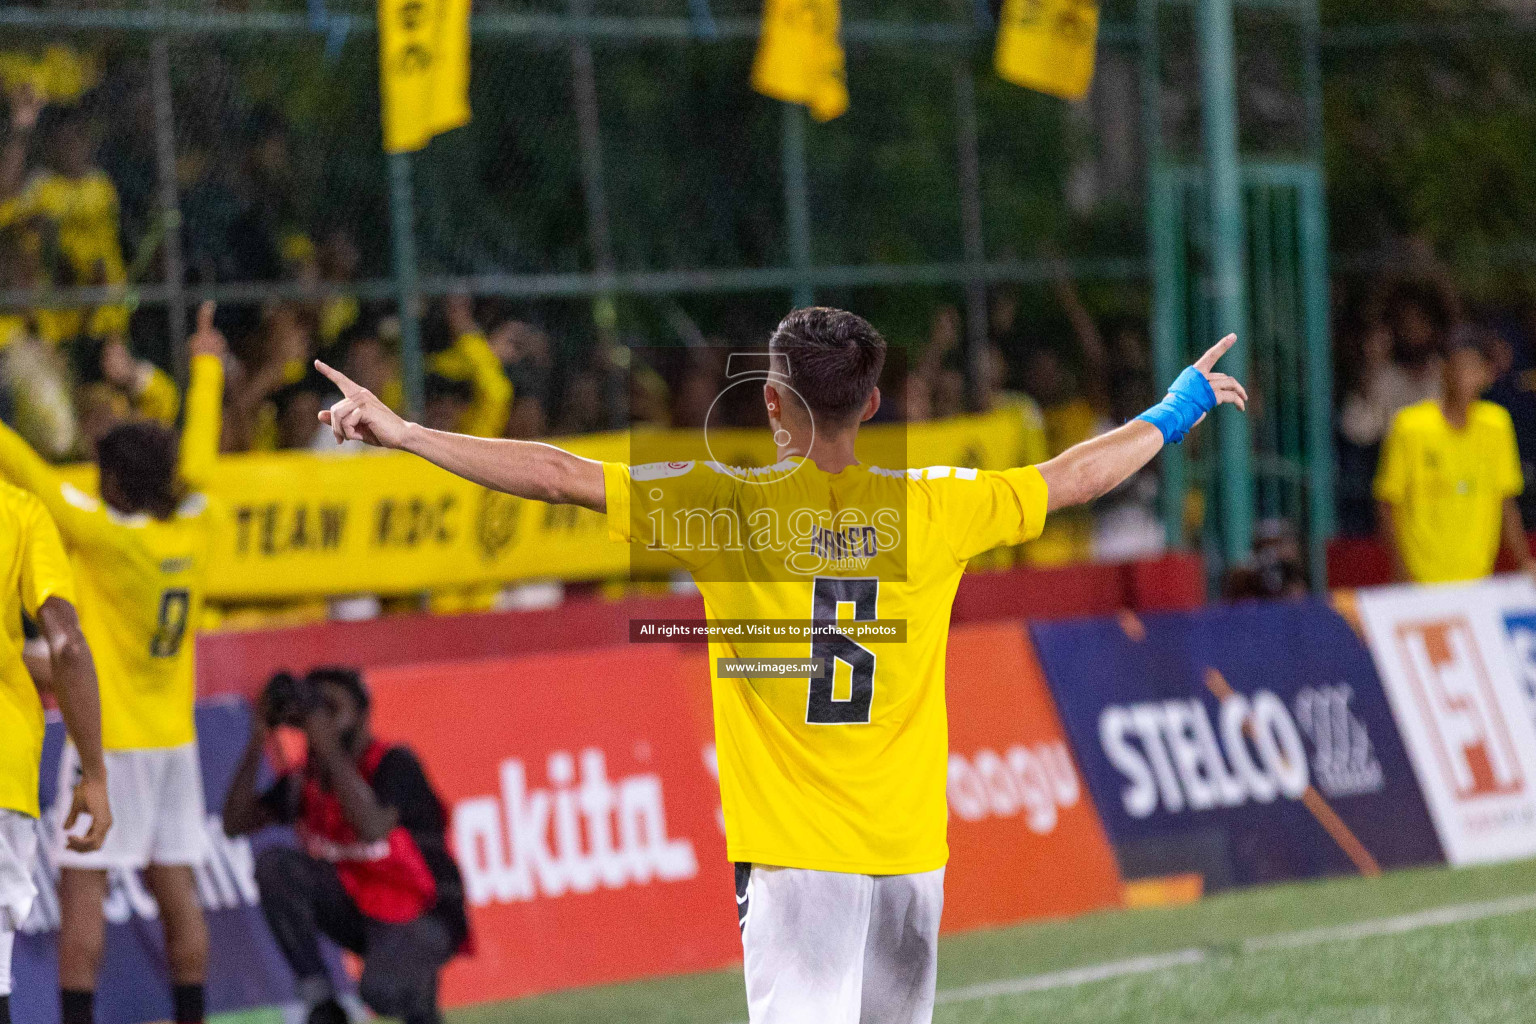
[
  {"x": 158, "y": 813},
  {"x": 825, "y": 947},
  {"x": 18, "y": 850}
]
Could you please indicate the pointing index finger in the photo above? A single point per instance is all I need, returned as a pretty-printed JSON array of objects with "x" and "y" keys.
[
  {"x": 205, "y": 316},
  {"x": 341, "y": 380},
  {"x": 1206, "y": 362}
]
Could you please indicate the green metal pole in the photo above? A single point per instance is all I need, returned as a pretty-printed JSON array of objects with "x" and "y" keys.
[
  {"x": 1165, "y": 257},
  {"x": 1318, "y": 387},
  {"x": 972, "y": 236},
  {"x": 168, "y": 195},
  {"x": 1319, "y": 380},
  {"x": 797, "y": 211},
  {"x": 402, "y": 217},
  {"x": 1218, "y": 89}
]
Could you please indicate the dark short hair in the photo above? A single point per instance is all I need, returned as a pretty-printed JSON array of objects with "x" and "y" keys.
[
  {"x": 349, "y": 679},
  {"x": 140, "y": 457},
  {"x": 831, "y": 358}
]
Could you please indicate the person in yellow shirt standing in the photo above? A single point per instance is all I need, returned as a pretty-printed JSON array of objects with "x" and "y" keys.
[
  {"x": 72, "y": 202},
  {"x": 142, "y": 551},
  {"x": 36, "y": 579},
  {"x": 833, "y": 764},
  {"x": 1449, "y": 473},
  {"x": 468, "y": 391}
]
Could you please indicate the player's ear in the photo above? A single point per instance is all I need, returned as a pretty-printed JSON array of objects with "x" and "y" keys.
[
  {"x": 771, "y": 400},
  {"x": 870, "y": 407}
]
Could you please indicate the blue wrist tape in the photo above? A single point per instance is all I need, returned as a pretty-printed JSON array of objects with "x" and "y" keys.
[{"x": 1188, "y": 399}]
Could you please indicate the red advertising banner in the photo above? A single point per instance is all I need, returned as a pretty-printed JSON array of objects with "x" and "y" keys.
[
  {"x": 1024, "y": 838},
  {"x": 584, "y": 807},
  {"x": 581, "y": 813}
]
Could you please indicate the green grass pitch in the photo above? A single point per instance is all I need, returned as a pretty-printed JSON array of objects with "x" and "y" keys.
[{"x": 1275, "y": 955}]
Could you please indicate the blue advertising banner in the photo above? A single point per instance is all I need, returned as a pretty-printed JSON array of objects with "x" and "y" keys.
[
  {"x": 1251, "y": 743},
  {"x": 244, "y": 969}
]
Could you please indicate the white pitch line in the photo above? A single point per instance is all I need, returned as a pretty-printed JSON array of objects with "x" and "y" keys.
[
  {"x": 1456, "y": 913},
  {"x": 1437, "y": 917},
  {"x": 1073, "y": 976}
]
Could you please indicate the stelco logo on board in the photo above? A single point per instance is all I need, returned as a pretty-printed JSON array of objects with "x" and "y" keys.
[
  {"x": 572, "y": 837},
  {"x": 1173, "y": 755}
]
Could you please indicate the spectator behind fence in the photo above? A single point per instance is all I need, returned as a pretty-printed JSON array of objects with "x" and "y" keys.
[
  {"x": 1072, "y": 407},
  {"x": 69, "y": 205},
  {"x": 373, "y": 872},
  {"x": 467, "y": 388},
  {"x": 524, "y": 351},
  {"x": 370, "y": 359},
  {"x": 1449, "y": 475}
]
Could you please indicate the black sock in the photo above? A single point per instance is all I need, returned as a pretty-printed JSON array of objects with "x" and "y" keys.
[
  {"x": 5, "y": 1010},
  {"x": 77, "y": 1006},
  {"x": 188, "y": 1000}
]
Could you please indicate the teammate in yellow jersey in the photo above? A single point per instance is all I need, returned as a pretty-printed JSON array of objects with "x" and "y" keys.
[
  {"x": 832, "y": 783},
  {"x": 36, "y": 579},
  {"x": 142, "y": 553}
]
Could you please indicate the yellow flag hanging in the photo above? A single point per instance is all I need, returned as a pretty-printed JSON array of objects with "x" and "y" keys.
[
  {"x": 800, "y": 57},
  {"x": 1048, "y": 45},
  {"x": 423, "y": 70}
]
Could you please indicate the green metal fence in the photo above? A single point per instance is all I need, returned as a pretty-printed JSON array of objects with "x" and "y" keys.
[
  {"x": 620, "y": 177},
  {"x": 1290, "y": 476}
]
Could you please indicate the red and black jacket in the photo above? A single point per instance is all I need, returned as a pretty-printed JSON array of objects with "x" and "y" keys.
[{"x": 408, "y": 872}]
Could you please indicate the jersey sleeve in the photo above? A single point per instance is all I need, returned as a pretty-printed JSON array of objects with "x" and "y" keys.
[
  {"x": 204, "y": 423},
  {"x": 654, "y": 504},
  {"x": 1391, "y": 484},
  {"x": 978, "y": 510},
  {"x": 77, "y": 515},
  {"x": 45, "y": 570}
]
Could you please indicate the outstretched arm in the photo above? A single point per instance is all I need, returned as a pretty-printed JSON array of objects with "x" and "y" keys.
[
  {"x": 525, "y": 469},
  {"x": 22, "y": 466},
  {"x": 1096, "y": 467},
  {"x": 205, "y": 402}
]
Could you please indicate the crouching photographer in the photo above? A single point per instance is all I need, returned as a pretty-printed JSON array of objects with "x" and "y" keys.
[{"x": 373, "y": 871}]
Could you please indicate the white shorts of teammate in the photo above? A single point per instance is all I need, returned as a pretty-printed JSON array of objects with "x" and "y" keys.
[
  {"x": 825, "y": 947},
  {"x": 18, "y": 849},
  {"x": 158, "y": 814}
]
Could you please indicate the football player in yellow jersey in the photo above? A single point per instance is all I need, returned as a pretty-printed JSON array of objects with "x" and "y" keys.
[
  {"x": 36, "y": 579},
  {"x": 142, "y": 553},
  {"x": 832, "y": 781},
  {"x": 1448, "y": 477}
]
